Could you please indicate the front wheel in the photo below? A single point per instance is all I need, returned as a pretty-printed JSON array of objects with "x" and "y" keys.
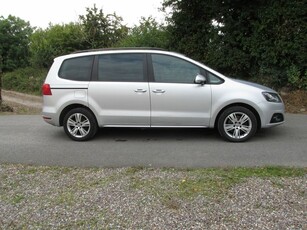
[
  {"x": 237, "y": 124},
  {"x": 80, "y": 124}
]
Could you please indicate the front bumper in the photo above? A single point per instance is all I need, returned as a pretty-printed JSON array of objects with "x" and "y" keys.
[{"x": 271, "y": 114}]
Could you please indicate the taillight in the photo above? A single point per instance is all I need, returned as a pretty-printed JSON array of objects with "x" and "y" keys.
[{"x": 46, "y": 90}]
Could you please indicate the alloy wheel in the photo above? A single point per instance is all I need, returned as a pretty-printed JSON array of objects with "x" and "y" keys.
[
  {"x": 237, "y": 125},
  {"x": 78, "y": 125}
]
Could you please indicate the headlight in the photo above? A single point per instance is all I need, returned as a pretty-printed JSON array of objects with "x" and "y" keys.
[{"x": 271, "y": 97}]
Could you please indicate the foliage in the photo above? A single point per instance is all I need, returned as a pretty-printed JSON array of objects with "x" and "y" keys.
[
  {"x": 95, "y": 30},
  {"x": 296, "y": 78},
  {"x": 190, "y": 36},
  {"x": 149, "y": 33},
  {"x": 261, "y": 39},
  {"x": 5, "y": 108},
  {"x": 54, "y": 41},
  {"x": 27, "y": 80},
  {"x": 14, "y": 40},
  {"x": 100, "y": 30}
]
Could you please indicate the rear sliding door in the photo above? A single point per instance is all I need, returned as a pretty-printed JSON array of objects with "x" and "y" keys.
[{"x": 120, "y": 95}]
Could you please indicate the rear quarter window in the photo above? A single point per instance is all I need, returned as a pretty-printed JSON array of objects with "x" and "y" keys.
[{"x": 77, "y": 69}]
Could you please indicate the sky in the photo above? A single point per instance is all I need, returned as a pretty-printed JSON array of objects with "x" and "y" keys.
[{"x": 42, "y": 12}]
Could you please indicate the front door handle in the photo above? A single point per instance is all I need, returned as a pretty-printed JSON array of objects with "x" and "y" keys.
[
  {"x": 159, "y": 91},
  {"x": 140, "y": 90}
]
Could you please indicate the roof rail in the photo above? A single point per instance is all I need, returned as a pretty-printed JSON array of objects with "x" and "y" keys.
[{"x": 119, "y": 48}]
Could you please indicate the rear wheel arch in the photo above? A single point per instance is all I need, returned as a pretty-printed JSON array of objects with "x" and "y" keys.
[
  {"x": 69, "y": 108},
  {"x": 80, "y": 124}
]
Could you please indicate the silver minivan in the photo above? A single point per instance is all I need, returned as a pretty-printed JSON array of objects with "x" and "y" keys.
[{"x": 139, "y": 87}]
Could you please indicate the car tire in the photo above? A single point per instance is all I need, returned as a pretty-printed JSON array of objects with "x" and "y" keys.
[
  {"x": 237, "y": 124},
  {"x": 80, "y": 124}
]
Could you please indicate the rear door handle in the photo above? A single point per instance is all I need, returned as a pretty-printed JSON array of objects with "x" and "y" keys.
[
  {"x": 140, "y": 90},
  {"x": 159, "y": 91}
]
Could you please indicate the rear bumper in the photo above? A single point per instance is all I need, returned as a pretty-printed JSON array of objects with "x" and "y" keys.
[{"x": 51, "y": 118}]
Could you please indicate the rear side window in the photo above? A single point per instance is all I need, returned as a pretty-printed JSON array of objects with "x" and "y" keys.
[
  {"x": 77, "y": 69},
  {"x": 121, "y": 67}
]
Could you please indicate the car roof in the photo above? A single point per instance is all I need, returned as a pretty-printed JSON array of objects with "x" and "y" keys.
[{"x": 119, "y": 49}]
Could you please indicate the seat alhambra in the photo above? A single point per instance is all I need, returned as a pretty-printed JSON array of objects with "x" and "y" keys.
[{"x": 149, "y": 88}]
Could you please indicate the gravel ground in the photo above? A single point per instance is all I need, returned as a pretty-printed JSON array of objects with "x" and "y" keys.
[{"x": 137, "y": 198}]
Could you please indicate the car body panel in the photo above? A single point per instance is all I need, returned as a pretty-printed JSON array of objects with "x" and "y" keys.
[
  {"x": 154, "y": 104},
  {"x": 180, "y": 104},
  {"x": 118, "y": 103}
]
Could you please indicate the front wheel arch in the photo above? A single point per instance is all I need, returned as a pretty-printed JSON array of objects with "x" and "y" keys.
[
  {"x": 254, "y": 111},
  {"x": 237, "y": 124}
]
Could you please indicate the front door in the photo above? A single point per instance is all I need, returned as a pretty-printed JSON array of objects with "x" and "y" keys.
[{"x": 176, "y": 101}]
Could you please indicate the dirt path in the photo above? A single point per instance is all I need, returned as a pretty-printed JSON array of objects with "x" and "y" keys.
[{"x": 22, "y": 99}]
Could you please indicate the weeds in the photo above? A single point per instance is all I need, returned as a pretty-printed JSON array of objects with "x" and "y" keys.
[{"x": 25, "y": 80}]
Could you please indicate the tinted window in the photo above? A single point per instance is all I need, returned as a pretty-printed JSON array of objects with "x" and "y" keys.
[
  {"x": 171, "y": 69},
  {"x": 77, "y": 69},
  {"x": 121, "y": 67},
  {"x": 214, "y": 79}
]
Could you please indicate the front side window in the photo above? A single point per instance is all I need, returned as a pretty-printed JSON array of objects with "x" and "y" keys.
[
  {"x": 121, "y": 67},
  {"x": 173, "y": 70},
  {"x": 77, "y": 69},
  {"x": 214, "y": 79}
]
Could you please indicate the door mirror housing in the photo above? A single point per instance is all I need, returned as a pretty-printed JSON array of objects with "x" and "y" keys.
[{"x": 200, "y": 79}]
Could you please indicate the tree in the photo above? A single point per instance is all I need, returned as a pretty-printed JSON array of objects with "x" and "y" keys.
[
  {"x": 263, "y": 40},
  {"x": 189, "y": 24},
  {"x": 100, "y": 30},
  {"x": 3, "y": 108},
  {"x": 54, "y": 41},
  {"x": 148, "y": 34},
  {"x": 14, "y": 42},
  {"x": 0, "y": 81},
  {"x": 95, "y": 30}
]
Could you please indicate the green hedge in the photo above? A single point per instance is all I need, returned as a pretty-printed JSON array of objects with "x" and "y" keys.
[{"x": 26, "y": 80}]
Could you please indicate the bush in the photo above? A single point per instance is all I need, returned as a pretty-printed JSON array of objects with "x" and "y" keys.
[
  {"x": 26, "y": 80},
  {"x": 296, "y": 78},
  {"x": 148, "y": 34}
]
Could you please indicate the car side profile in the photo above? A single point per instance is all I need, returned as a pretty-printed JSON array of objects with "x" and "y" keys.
[{"x": 140, "y": 87}]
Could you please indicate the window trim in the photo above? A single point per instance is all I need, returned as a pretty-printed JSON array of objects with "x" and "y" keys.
[{"x": 150, "y": 71}]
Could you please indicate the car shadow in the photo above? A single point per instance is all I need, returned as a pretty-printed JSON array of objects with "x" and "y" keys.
[
  {"x": 169, "y": 134},
  {"x": 156, "y": 134},
  {"x": 270, "y": 134}
]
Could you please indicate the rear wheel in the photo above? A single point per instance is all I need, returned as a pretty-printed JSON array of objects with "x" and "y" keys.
[
  {"x": 237, "y": 124},
  {"x": 80, "y": 124}
]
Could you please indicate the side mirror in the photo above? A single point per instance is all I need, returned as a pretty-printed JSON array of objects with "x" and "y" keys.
[{"x": 200, "y": 79}]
